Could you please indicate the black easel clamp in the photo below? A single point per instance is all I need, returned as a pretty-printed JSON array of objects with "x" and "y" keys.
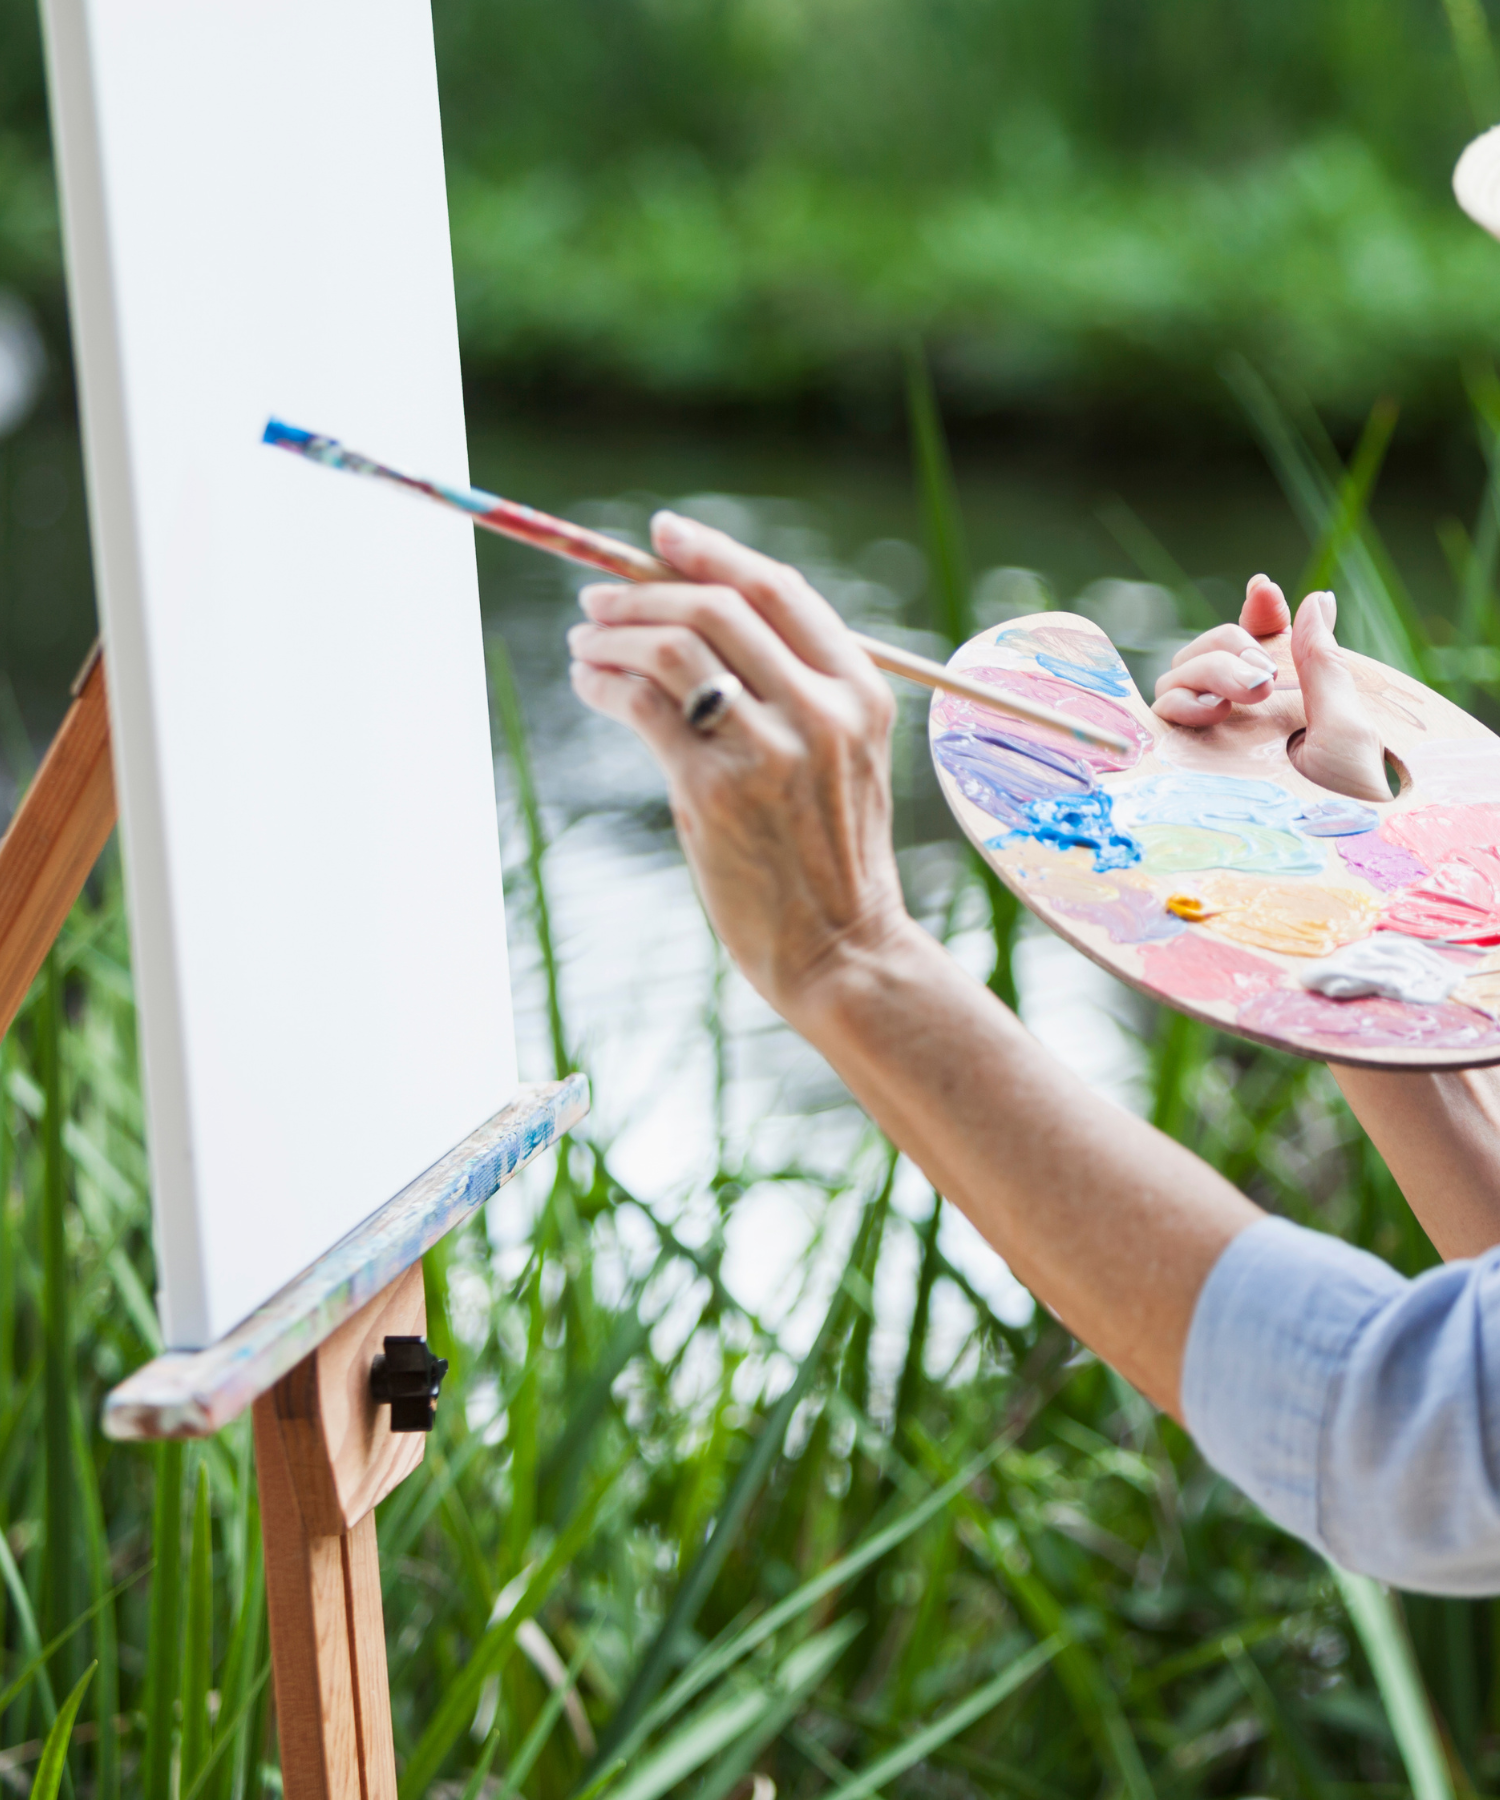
[{"x": 407, "y": 1378}]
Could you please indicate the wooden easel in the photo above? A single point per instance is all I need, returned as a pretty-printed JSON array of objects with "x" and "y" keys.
[{"x": 325, "y": 1453}]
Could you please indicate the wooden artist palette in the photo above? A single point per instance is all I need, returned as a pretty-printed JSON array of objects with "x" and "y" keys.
[{"x": 1301, "y": 919}]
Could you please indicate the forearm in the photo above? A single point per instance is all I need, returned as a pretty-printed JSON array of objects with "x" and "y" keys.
[
  {"x": 1111, "y": 1224},
  {"x": 1440, "y": 1137}
]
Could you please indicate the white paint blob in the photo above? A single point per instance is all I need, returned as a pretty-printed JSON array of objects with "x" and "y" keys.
[{"x": 1389, "y": 966}]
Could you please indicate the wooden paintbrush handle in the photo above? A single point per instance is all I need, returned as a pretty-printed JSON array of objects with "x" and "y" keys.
[{"x": 932, "y": 674}]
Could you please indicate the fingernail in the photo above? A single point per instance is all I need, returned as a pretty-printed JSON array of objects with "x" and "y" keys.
[
  {"x": 597, "y": 594},
  {"x": 1207, "y": 699},
  {"x": 670, "y": 528},
  {"x": 1329, "y": 608},
  {"x": 1258, "y": 659}
]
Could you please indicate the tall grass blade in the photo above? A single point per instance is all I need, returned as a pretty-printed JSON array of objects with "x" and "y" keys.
[
  {"x": 58, "y": 1370},
  {"x": 790, "y": 1697},
  {"x": 715, "y": 1661},
  {"x": 947, "y": 1725},
  {"x": 229, "y": 1733},
  {"x": 693, "y": 1590},
  {"x": 489, "y": 1655},
  {"x": 1476, "y": 59},
  {"x": 513, "y": 722},
  {"x": 164, "y": 1633},
  {"x": 1382, "y": 621},
  {"x": 521, "y": 1764},
  {"x": 1395, "y": 1669},
  {"x": 30, "y": 1637},
  {"x": 197, "y": 1655},
  {"x": 723, "y": 1721},
  {"x": 1353, "y": 498},
  {"x": 39, "y": 1659},
  {"x": 102, "y": 1610},
  {"x": 952, "y": 598},
  {"x": 54, "y": 1762}
]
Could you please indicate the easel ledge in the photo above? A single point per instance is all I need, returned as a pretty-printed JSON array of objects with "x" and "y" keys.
[{"x": 193, "y": 1393}]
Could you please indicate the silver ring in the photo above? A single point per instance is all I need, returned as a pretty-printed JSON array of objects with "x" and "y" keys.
[{"x": 710, "y": 703}]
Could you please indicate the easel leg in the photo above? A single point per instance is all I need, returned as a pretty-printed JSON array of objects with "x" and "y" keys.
[{"x": 327, "y": 1640}]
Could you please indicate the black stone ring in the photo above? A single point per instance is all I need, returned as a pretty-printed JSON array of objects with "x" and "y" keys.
[{"x": 710, "y": 703}]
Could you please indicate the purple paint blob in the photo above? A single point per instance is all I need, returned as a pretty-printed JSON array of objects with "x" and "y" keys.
[
  {"x": 1133, "y": 916},
  {"x": 999, "y": 771},
  {"x": 1383, "y": 864},
  {"x": 1337, "y": 818},
  {"x": 1331, "y": 1025},
  {"x": 956, "y": 712}
]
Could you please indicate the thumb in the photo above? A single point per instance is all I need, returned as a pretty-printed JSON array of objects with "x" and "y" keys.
[
  {"x": 1328, "y": 690},
  {"x": 1342, "y": 750}
]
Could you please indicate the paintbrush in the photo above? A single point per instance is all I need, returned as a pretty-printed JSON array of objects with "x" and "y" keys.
[{"x": 511, "y": 519}]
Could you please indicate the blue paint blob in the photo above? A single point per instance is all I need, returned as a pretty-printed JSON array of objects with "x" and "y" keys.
[
  {"x": 1097, "y": 681},
  {"x": 1337, "y": 818},
  {"x": 1039, "y": 791},
  {"x": 1080, "y": 822},
  {"x": 1256, "y": 825},
  {"x": 1211, "y": 802}
]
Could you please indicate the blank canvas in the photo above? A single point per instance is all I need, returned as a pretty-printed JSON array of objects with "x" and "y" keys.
[{"x": 256, "y": 223}]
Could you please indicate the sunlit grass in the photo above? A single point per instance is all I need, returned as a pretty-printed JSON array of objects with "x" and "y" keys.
[{"x": 649, "y": 1570}]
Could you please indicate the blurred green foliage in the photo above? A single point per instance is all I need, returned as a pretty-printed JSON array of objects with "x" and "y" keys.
[{"x": 1081, "y": 203}]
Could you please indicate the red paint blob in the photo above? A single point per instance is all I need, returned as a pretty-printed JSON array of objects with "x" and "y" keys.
[
  {"x": 1196, "y": 967},
  {"x": 954, "y": 712},
  {"x": 1332, "y": 1025}
]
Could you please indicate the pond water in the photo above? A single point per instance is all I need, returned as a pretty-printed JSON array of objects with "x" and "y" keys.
[{"x": 641, "y": 976}]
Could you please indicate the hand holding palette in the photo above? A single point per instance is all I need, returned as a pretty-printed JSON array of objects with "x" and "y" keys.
[{"x": 1204, "y": 869}]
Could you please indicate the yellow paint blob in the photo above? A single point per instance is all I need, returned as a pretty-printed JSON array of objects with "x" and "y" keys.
[
  {"x": 1191, "y": 907},
  {"x": 1296, "y": 918}
]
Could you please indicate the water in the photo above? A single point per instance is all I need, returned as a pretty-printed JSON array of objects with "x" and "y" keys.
[{"x": 640, "y": 968}]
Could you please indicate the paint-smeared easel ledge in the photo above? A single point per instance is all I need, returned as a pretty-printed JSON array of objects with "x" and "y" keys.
[
  {"x": 192, "y": 1393},
  {"x": 1204, "y": 870}
]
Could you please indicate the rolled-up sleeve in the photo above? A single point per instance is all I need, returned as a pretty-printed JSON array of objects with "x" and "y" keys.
[{"x": 1357, "y": 1409}]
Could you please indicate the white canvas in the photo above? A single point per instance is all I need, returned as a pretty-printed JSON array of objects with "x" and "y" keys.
[{"x": 256, "y": 223}]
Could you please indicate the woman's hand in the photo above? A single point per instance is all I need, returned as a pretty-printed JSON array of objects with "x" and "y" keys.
[
  {"x": 784, "y": 811},
  {"x": 1238, "y": 665}
]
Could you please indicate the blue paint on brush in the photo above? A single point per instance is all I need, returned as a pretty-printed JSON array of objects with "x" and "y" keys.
[{"x": 290, "y": 437}]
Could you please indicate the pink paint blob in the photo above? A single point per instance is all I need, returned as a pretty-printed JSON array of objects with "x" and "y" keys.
[
  {"x": 1203, "y": 968},
  {"x": 953, "y": 712},
  {"x": 1461, "y": 901},
  {"x": 1334, "y": 1025},
  {"x": 1457, "y": 894},
  {"x": 1433, "y": 833},
  {"x": 1384, "y": 865}
]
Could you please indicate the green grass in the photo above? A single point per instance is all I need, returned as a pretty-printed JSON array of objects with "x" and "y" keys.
[{"x": 1001, "y": 1574}]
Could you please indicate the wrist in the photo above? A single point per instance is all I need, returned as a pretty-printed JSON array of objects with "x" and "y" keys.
[{"x": 857, "y": 978}]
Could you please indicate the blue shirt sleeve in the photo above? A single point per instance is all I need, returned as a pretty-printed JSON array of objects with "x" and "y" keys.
[{"x": 1359, "y": 1410}]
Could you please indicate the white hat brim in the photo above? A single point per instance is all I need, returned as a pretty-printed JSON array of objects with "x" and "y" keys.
[{"x": 1476, "y": 181}]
